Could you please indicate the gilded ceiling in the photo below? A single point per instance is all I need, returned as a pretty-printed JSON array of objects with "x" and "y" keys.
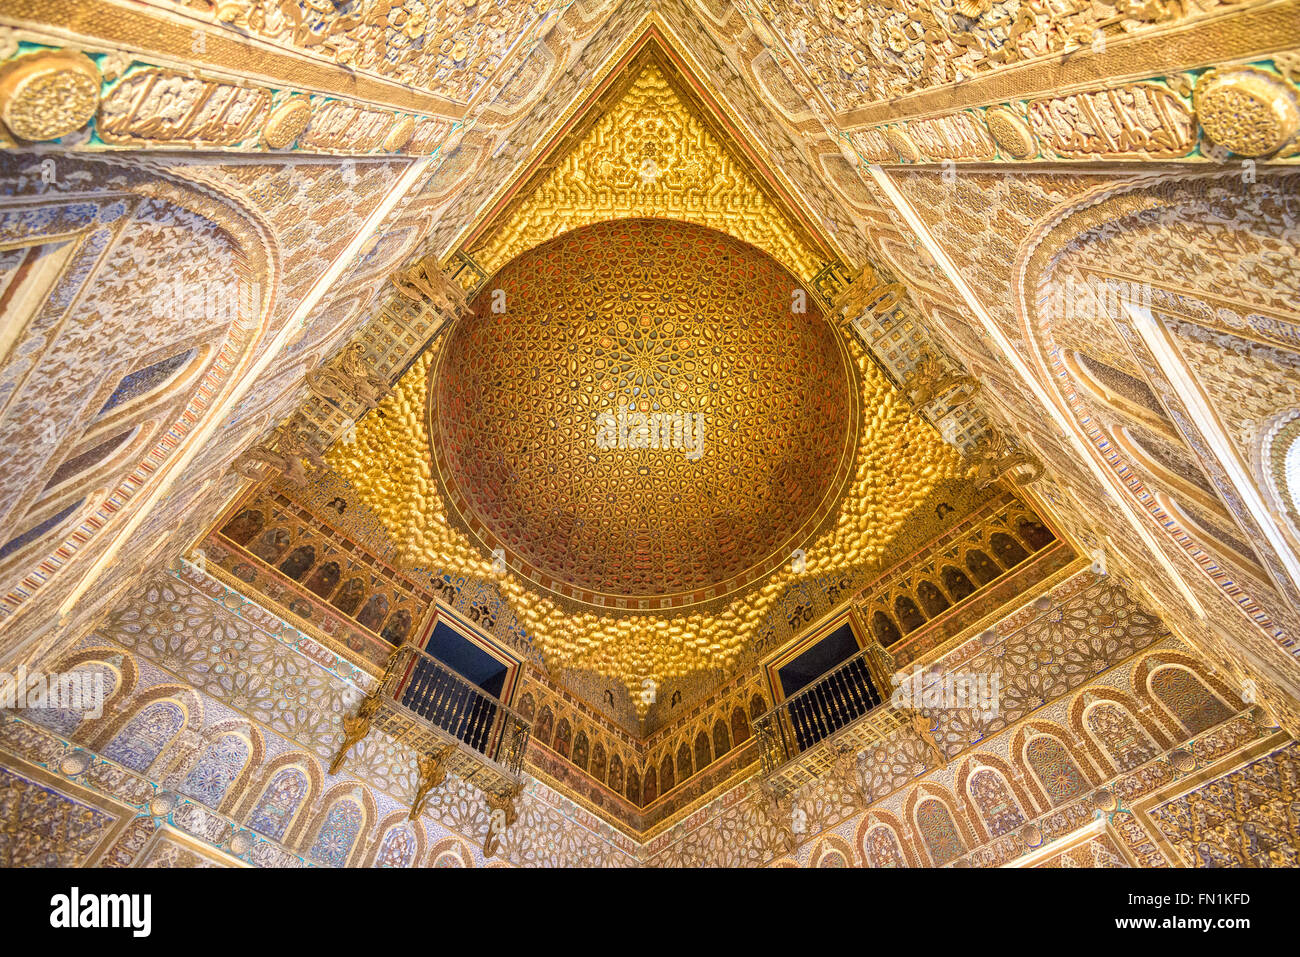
[
  {"x": 710, "y": 340},
  {"x": 651, "y": 151},
  {"x": 643, "y": 187},
  {"x": 897, "y": 463},
  {"x": 647, "y": 259}
]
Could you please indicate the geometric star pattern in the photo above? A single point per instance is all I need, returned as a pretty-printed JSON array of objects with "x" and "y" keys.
[{"x": 644, "y": 316}]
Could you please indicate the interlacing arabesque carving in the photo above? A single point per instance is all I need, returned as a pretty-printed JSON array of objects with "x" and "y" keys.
[
  {"x": 442, "y": 47},
  {"x": 957, "y": 215},
  {"x": 1237, "y": 233},
  {"x": 855, "y": 54},
  {"x": 475, "y": 170},
  {"x": 297, "y": 705},
  {"x": 1206, "y": 115},
  {"x": 216, "y": 244},
  {"x": 1206, "y": 828},
  {"x": 747, "y": 833},
  {"x": 111, "y": 99},
  {"x": 650, "y": 155},
  {"x": 1057, "y": 664}
]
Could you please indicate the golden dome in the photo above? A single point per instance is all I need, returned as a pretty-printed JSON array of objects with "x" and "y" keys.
[{"x": 660, "y": 414}]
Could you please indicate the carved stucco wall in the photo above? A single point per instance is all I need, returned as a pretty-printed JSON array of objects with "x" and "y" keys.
[
  {"x": 989, "y": 221},
  {"x": 1014, "y": 263},
  {"x": 213, "y": 701}
]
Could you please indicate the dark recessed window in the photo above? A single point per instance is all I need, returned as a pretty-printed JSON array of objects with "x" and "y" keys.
[
  {"x": 826, "y": 688},
  {"x": 817, "y": 660}
]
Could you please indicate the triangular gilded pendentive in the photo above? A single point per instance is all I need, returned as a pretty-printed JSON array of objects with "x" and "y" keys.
[{"x": 646, "y": 147}]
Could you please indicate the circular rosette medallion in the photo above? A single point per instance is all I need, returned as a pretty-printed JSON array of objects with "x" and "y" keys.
[{"x": 643, "y": 414}]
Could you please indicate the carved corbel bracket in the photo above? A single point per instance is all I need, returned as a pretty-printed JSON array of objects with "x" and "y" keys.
[
  {"x": 350, "y": 379},
  {"x": 924, "y": 729},
  {"x": 932, "y": 380},
  {"x": 355, "y": 729},
  {"x": 869, "y": 291},
  {"x": 846, "y": 769},
  {"x": 433, "y": 771},
  {"x": 503, "y": 811},
  {"x": 286, "y": 451},
  {"x": 994, "y": 459},
  {"x": 426, "y": 283},
  {"x": 780, "y": 811}
]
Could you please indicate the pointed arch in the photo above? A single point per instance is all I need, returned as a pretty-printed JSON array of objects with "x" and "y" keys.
[
  {"x": 703, "y": 755},
  {"x": 373, "y": 615},
  {"x": 981, "y": 566},
  {"x": 1052, "y": 765},
  {"x": 563, "y": 735},
  {"x": 994, "y": 803},
  {"x": 633, "y": 785},
  {"x": 1119, "y": 737},
  {"x": 908, "y": 615},
  {"x": 545, "y": 723},
  {"x": 667, "y": 775},
  {"x": 956, "y": 583},
  {"x": 581, "y": 750},
  {"x": 931, "y": 598},
  {"x": 338, "y": 836},
  {"x": 739, "y": 727},
  {"x": 883, "y": 627},
  {"x": 1008, "y": 551},
  {"x": 348, "y": 598},
  {"x": 245, "y": 526},
  {"x": 324, "y": 580},
  {"x": 878, "y": 842}
]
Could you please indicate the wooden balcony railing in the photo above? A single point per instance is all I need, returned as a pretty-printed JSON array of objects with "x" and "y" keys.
[
  {"x": 452, "y": 725},
  {"x": 800, "y": 738}
]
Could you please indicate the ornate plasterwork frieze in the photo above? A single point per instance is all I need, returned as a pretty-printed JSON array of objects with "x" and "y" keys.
[
  {"x": 111, "y": 100},
  {"x": 435, "y": 57},
  {"x": 172, "y": 35},
  {"x": 179, "y": 82},
  {"x": 649, "y": 155},
  {"x": 861, "y": 64},
  {"x": 1251, "y": 111}
]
